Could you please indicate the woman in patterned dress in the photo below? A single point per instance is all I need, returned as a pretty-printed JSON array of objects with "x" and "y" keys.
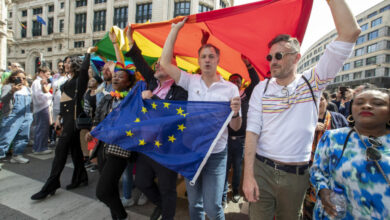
[{"x": 357, "y": 160}]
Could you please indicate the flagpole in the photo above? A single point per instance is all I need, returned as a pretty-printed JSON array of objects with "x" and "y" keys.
[{"x": 193, "y": 181}]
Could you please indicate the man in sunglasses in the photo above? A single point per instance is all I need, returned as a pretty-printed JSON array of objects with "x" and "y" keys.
[{"x": 282, "y": 116}]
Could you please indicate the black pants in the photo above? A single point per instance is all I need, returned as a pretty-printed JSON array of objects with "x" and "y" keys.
[
  {"x": 107, "y": 189},
  {"x": 163, "y": 195},
  {"x": 68, "y": 141}
]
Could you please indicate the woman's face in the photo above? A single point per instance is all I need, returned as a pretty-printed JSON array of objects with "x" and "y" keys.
[
  {"x": 67, "y": 65},
  {"x": 92, "y": 83},
  {"x": 21, "y": 77},
  {"x": 120, "y": 81},
  {"x": 323, "y": 104},
  {"x": 371, "y": 108}
]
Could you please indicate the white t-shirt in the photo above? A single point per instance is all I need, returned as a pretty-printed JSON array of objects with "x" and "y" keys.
[
  {"x": 40, "y": 100},
  {"x": 218, "y": 91},
  {"x": 285, "y": 117}
]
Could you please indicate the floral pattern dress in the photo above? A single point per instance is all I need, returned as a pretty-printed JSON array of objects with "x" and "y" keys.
[{"x": 366, "y": 190}]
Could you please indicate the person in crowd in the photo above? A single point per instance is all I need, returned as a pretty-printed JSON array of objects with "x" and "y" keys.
[
  {"x": 356, "y": 160},
  {"x": 206, "y": 194},
  {"x": 116, "y": 159},
  {"x": 70, "y": 107},
  {"x": 41, "y": 98},
  {"x": 236, "y": 139},
  {"x": 327, "y": 120},
  {"x": 343, "y": 100},
  {"x": 106, "y": 87},
  {"x": 16, "y": 116},
  {"x": 282, "y": 118}
]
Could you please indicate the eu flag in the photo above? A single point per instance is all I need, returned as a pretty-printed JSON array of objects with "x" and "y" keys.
[
  {"x": 40, "y": 20},
  {"x": 179, "y": 135}
]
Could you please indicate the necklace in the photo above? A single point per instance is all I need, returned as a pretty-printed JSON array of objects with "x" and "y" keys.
[{"x": 119, "y": 95}]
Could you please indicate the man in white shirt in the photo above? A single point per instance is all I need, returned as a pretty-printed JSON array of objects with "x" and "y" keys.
[
  {"x": 282, "y": 118},
  {"x": 41, "y": 100},
  {"x": 206, "y": 194}
]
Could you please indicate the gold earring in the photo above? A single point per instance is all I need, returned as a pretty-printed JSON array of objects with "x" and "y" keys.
[{"x": 350, "y": 119}]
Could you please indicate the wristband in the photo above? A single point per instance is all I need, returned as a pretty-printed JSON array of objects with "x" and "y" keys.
[{"x": 236, "y": 116}]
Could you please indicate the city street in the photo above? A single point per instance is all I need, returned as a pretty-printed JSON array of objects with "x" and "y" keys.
[{"x": 19, "y": 181}]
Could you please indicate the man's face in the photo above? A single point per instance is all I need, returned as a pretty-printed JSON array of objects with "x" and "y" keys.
[
  {"x": 208, "y": 60},
  {"x": 107, "y": 75},
  {"x": 61, "y": 67},
  {"x": 14, "y": 67},
  {"x": 284, "y": 67},
  {"x": 159, "y": 72}
]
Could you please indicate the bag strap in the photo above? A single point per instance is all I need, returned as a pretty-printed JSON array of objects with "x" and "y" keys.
[
  {"x": 75, "y": 99},
  {"x": 311, "y": 90},
  {"x": 345, "y": 145},
  {"x": 266, "y": 85}
]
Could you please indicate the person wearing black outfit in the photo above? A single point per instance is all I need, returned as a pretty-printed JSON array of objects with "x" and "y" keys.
[
  {"x": 160, "y": 86},
  {"x": 70, "y": 106},
  {"x": 236, "y": 139}
]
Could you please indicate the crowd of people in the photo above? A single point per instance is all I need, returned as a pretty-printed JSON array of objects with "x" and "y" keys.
[{"x": 299, "y": 143}]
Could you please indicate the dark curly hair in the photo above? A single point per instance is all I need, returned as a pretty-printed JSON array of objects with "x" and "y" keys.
[{"x": 75, "y": 64}]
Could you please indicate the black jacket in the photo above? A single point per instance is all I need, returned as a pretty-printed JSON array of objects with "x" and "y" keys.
[{"x": 175, "y": 92}]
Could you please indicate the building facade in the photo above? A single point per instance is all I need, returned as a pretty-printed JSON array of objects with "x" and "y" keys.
[
  {"x": 370, "y": 61},
  {"x": 5, "y": 34},
  {"x": 74, "y": 25}
]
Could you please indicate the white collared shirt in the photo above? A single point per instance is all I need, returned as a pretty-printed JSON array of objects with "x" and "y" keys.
[
  {"x": 218, "y": 91},
  {"x": 40, "y": 100}
]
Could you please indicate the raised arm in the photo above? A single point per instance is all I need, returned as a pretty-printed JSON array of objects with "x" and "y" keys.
[
  {"x": 252, "y": 75},
  {"x": 118, "y": 54},
  {"x": 167, "y": 53},
  {"x": 346, "y": 25}
]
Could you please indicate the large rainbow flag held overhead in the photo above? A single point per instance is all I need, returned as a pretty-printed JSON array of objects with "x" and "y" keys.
[{"x": 244, "y": 29}]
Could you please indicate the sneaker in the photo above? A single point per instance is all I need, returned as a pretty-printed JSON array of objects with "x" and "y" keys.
[
  {"x": 93, "y": 169},
  {"x": 157, "y": 214},
  {"x": 224, "y": 204},
  {"x": 127, "y": 202},
  {"x": 88, "y": 164},
  {"x": 142, "y": 200},
  {"x": 236, "y": 198},
  {"x": 19, "y": 159},
  {"x": 48, "y": 151}
]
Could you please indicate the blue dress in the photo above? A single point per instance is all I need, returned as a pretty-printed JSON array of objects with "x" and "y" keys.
[{"x": 366, "y": 190}]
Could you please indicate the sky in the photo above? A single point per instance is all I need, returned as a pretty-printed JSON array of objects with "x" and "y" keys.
[{"x": 321, "y": 21}]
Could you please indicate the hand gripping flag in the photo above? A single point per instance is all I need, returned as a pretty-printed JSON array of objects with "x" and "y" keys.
[{"x": 179, "y": 135}]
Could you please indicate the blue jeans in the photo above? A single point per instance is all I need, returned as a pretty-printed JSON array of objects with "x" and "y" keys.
[
  {"x": 15, "y": 128},
  {"x": 206, "y": 194},
  {"x": 127, "y": 181},
  {"x": 42, "y": 126},
  {"x": 234, "y": 161}
]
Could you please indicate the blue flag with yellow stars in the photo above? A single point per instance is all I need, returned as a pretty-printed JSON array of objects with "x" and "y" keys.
[{"x": 179, "y": 135}]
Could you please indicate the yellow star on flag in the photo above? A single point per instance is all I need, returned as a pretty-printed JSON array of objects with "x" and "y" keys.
[
  {"x": 166, "y": 105},
  {"x": 141, "y": 142},
  {"x": 184, "y": 115},
  {"x": 137, "y": 120},
  {"x": 129, "y": 133},
  {"x": 181, "y": 127},
  {"x": 171, "y": 138},
  {"x": 154, "y": 105},
  {"x": 144, "y": 110},
  {"x": 179, "y": 111},
  {"x": 157, "y": 143}
]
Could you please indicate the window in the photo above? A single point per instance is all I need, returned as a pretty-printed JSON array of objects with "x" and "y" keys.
[
  {"x": 182, "y": 8},
  {"x": 360, "y": 20},
  {"x": 204, "y": 8},
  {"x": 222, "y": 4},
  {"x": 94, "y": 42},
  {"x": 361, "y": 39},
  {"x": 372, "y": 14},
  {"x": 373, "y": 35},
  {"x": 358, "y": 63},
  {"x": 376, "y": 22},
  {"x": 359, "y": 52},
  {"x": 81, "y": 3},
  {"x": 371, "y": 48},
  {"x": 386, "y": 71},
  {"x": 24, "y": 13},
  {"x": 388, "y": 45},
  {"x": 387, "y": 58},
  {"x": 59, "y": 46},
  {"x": 51, "y": 8},
  {"x": 37, "y": 29},
  {"x": 78, "y": 44},
  {"x": 346, "y": 66},
  {"x": 364, "y": 27},
  {"x": 10, "y": 14},
  {"x": 144, "y": 13},
  {"x": 99, "y": 21},
  {"x": 62, "y": 5},
  {"x": 37, "y": 11},
  {"x": 384, "y": 8},
  {"x": 371, "y": 60},
  {"x": 50, "y": 25},
  {"x": 99, "y": 1},
  {"x": 80, "y": 24},
  {"x": 49, "y": 49},
  {"x": 357, "y": 75},
  {"x": 370, "y": 73},
  {"x": 23, "y": 32},
  {"x": 345, "y": 77},
  {"x": 120, "y": 17},
  {"x": 61, "y": 26},
  {"x": 22, "y": 51},
  {"x": 337, "y": 79}
]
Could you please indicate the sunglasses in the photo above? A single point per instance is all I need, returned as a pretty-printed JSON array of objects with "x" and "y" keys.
[
  {"x": 278, "y": 55},
  {"x": 371, "y": 152}
]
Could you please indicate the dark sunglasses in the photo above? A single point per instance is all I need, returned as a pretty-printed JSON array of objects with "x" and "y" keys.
[
  {"x": 371, "y": 152},
  {"x": 278, "y": 55}
]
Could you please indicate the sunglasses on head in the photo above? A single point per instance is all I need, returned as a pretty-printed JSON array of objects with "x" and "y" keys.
[
  {"x": 278, "y": 55},
  {"x": 371, "y": 152}
]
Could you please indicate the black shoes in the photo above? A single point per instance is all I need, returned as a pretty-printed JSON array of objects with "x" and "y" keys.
[
  {"x": 77, "y": 184},
  {"x": 156, "y": 215},
  {"x": 42, "y": 194}
]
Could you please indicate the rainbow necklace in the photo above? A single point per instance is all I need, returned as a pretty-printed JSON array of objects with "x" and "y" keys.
[{"x": 119, "y": 95}]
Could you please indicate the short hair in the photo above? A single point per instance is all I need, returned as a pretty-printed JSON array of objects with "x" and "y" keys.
[
  {"x": 217, "y": 51},
  {"x": 286, "y": 38},
  {"x": 326, "y": 95},
  {"x": 44, "y": 69},
  {"x": 235, "y": 74}
]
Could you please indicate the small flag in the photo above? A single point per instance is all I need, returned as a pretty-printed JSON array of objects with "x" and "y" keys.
[
  {"x": 40, "y": 20},
  {"x": 23, "y": 26}
]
